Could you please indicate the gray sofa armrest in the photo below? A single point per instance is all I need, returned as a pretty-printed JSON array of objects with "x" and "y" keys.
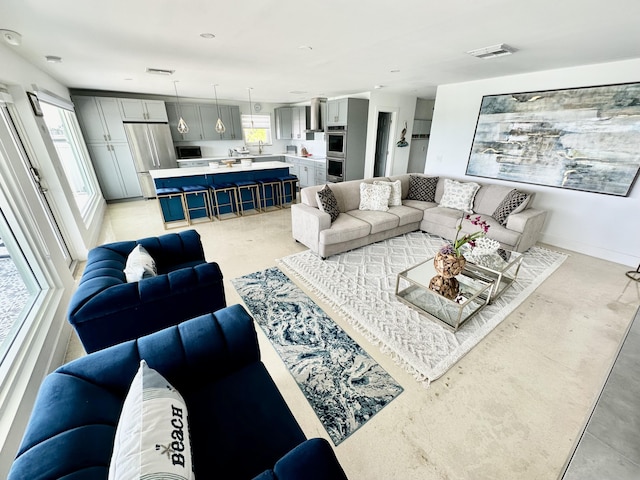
[
  {"x": 307, "y": 223},
  {"x": 529, "y": 224}
]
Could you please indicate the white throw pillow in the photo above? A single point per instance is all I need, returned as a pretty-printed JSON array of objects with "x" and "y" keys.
[
  {"x": 139, "y": 265},
  {"x": 395, "y": 199},
  {"x": 459, "y": 195},
  {"x": 152, "y": 436},
  {"x": 374, "y": 197}
]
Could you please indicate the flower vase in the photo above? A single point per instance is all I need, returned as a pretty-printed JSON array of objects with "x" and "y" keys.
[{"x": 448, "y": 265}]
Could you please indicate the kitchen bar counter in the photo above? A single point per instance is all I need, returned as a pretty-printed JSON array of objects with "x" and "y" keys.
[
  {"x": 221, "y": 170},
  {"x": 186, "y": 162}
]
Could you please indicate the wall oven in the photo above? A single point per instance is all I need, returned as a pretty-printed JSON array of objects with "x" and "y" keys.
[
  {"x": 335, "y": 169},
  {"x": 336, "y": 138}
]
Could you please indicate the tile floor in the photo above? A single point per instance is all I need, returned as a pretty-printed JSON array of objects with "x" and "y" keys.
[
  {"x": 610, "y": 445},
  {"x": 512, "y": 408}
]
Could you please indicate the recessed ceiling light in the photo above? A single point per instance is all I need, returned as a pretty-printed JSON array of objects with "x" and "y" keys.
[
  {"x": 378, "y": 87},
  {"x": 11, "y": 37},
  {"x": 305, "y": 47},
  {"x": 395, "y": 71},
  {"x": 160, "y": 71},
  {"x": 492, "y": 51},
  {"x": 53, "y": 59},
  {"x": 298, "y": 92},
  {"x": 128, "y": 79},
  {"x": 207, "y": 35}
]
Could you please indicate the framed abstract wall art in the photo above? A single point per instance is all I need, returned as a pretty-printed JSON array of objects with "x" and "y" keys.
[{"x": 579, "y": 139}]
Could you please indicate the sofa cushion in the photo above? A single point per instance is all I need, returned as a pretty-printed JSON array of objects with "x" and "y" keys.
[
  {"x": 139, "y": 265},
  {"x": 496, "y": 231},
  {"x": 422, "y": 188},
  {"x": 418, "y": 204},
  {"x": 459, "y": 195},
  {"x": 374, "y": 197},
  {"x": 152, "y": 437},
  {"x": 444, "y": 216},
  {"x": 327, "y": 202},
  {"x": 515, "y": 200},
  {"x": 406, "y": 215},
  {"x": 395, "y": 199},
  {"x": 344, "y": 229},
  {"x": 489, "y": 197},
  {"x": 379, "y": 221}
]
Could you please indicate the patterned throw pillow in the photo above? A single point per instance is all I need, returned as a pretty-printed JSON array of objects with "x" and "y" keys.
[
  {"x": 328, "y": 203},
  {"x": 422, "y": 188},
  {"x": 152, "y": 436},
  {"x": 395, "y": 199},
  {"x": 514, "y": 200},
  {"x": 374, "y": 197},
  {"x": 139, "y": 265},
  {"x": 459, "y": 195}
]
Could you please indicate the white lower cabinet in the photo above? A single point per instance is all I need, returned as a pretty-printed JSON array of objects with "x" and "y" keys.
[{"x": 309, "y": 172}]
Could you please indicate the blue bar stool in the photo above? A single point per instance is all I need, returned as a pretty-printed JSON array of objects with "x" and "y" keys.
[
  {"x": 196, "y": 200},
  {"x": 289, "y": 197},
  {"x": 226, "y": 191},
  {"x": 270, "y": 185},
  {"x": 172, "y": 206},
  {"x": 253, "y": 189}
]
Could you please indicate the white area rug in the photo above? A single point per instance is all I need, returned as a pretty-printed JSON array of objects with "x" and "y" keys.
[{"x": 360, "y": 285}]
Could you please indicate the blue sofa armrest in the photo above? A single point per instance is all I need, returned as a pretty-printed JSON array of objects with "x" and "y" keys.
[
  {"x": 311, "y": 460},
  {"x": 73, "y": 422}
]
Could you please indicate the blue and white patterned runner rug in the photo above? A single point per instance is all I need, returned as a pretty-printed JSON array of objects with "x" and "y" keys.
[
  {"x": 343, "y": 384},
  {"x": 360, "y": 285}
]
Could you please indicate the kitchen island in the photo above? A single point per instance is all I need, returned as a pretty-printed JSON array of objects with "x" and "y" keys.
[{"x": 182, "y": 177}]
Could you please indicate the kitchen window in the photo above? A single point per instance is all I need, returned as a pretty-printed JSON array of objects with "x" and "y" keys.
[{"x": 256, "y": 129}]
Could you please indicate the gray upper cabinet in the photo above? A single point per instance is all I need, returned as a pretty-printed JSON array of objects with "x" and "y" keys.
[
  {"x": 284, "y": 123},
  {"x": 292, "y": 123},
  {"x": 191, "y": 115},
  {"x": 230, "y": 115},
  {"x": 337, "y": 111},
  {"x": 100, "y": 119},
  {"x": 138, "y": 110},
  {"x": 201, "y": 120},
  {"x": 208, "y": 118}
]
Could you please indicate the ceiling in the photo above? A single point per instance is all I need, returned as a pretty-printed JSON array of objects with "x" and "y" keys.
[{"x": 406, "y": 46}]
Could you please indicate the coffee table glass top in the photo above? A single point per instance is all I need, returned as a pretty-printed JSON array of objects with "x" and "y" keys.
[
  {"x": 412, "y": 288},
  {"x": 500, "y": 267}
]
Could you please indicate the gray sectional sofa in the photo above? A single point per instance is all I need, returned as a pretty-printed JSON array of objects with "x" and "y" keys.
[{"x": 355, "y": 228}]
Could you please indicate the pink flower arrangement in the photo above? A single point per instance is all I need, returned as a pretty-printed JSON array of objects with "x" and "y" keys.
[{"x": 469, "y": 238}]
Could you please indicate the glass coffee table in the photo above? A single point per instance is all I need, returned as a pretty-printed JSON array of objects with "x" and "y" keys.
[
  {"x": 482, "y": 281},
  {"x": 412, "y": 288},
  {"x": 500, "y": 267}
]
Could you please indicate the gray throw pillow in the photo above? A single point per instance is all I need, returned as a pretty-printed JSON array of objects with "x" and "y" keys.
[
  {"x": 422, "y": 188},
  {"x": 509, "y": 204},
  {"x": 328, "y": 203}
]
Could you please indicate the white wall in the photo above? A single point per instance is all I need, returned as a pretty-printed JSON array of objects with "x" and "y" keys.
[
  {"x": 403, "y": 108},
  {"x": 603, "y": 226}
]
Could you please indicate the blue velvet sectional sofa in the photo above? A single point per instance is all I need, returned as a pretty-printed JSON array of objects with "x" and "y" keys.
[
  {"x": 106, "y": 310},
  {"x": 240, "y": 426}
]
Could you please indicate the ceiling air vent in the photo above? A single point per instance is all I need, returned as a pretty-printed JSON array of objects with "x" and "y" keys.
[
  {"x": 493, "y": 51},
  {"x": 159, "y": 71}
]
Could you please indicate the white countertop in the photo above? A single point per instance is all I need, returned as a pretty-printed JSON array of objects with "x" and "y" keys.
[
  {"x": 314, "y": 158},
  {"x": 235, "y": 168}
]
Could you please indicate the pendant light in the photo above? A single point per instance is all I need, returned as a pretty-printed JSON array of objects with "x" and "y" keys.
[
  {"x": 250, "y": 106},
  {"x": 182, "y": 125},
  {"x": 220, "y": 128}
]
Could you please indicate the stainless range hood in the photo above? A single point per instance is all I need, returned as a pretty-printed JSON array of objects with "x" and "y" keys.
[{"x": 317, "y": 114}]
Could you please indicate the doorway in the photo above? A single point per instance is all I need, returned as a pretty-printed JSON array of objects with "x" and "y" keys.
[{"x": 383, "y": 134}]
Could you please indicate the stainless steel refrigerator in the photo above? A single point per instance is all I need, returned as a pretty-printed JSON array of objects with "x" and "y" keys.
[{"x": 152, "y": 149}]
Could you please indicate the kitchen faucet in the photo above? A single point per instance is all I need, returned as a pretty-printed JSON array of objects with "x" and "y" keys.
[{"x": 259, "y": 147}]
